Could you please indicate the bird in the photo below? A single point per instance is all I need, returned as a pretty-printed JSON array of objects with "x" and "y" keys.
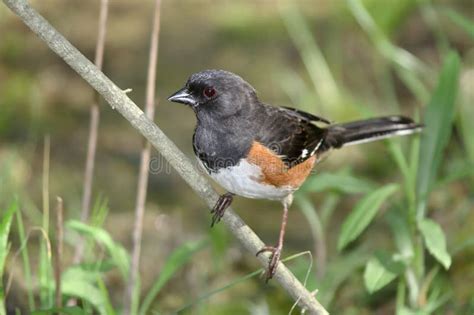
[{"x": 260, "y": 151}]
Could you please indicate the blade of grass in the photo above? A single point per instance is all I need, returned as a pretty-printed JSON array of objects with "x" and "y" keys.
[
  {"x": 396, "y": 150},
  {"x": 116, "y": 251},
  {"x": 100, "y": 210},
  {"x": 178, "y": 258},
  {"x": 297, "y": 90},
  {"x": 406, "y": 169},
  {"x": 430, "y": 17},
  {"x": 5, "y": 223},
  {"x": 327, "y": 208},
  {"x": 413, "y": 173},
  {"x": 395, "y": 54},
  {"x": 363, "y": 213},
  {"x": 218, "y": 290},
  {"x": 401, "y": 293},
  {"x": 232, "y": 284},
  {"x": 317, "y": 230},
  {"x": 414, "y": 84},
  {"x": 314, "y": 60},
  {"x": 340, "y": 182},
  {"x": 465, "y": 170},
  {"x": 97, "y": 218},
  {"x": 45, "y": 270},
  {"x": 389, "y": 15},
  {"x": 438, "y": 121},
  {"x": 26, "y": 261},
  {"x": 407, "y": 65},
  {"x": 70, "y": 310},
  {"x": 109, "y": 309},
  {"x": 463, "y": 22}
]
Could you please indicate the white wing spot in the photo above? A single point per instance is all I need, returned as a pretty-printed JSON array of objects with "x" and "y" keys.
[
  {"x": 304, "y": 153},
  {"x": 317, "y": 146}
]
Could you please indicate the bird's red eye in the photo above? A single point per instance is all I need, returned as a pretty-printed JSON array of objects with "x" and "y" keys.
[{"x": 209, "y": 92}]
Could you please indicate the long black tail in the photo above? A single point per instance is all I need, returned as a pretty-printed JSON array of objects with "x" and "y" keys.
[{"x": 368, "y": 130}]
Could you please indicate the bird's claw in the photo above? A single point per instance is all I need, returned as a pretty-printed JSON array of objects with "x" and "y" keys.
[
  {"x": 218, "y": 211},
  {"x": 274, "y": 259}
]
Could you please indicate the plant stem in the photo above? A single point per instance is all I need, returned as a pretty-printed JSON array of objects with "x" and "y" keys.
[
  {"x": 133, "y": 288},
  {"x": 93, "y": 129},
  {"x": 44, "y": 274},
  {"x": 58, "y": 250}
]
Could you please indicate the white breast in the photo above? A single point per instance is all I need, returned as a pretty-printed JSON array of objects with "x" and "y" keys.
[{"x": 243, "y": 179}]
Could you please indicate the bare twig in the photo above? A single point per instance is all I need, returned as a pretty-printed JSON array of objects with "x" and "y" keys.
[
  {"x": 45, "y": 183},
  {"x": 118, "y": 100},
  {"x": 44, "y": 273},
  {"x": 93, "y": 129},
  {"x": 58, "y": 250},
  {"x": 132, "y": 285}
]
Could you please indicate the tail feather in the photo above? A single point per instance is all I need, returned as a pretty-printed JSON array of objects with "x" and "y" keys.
[{"x": 368, "y": 130}]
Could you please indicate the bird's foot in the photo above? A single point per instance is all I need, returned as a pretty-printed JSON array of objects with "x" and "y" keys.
[
  {"x": 219, "y": 208},
  {"x": 273, "y": 260}
]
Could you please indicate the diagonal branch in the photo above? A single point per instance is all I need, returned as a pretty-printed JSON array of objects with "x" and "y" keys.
[{"x": 119, "y": 101}]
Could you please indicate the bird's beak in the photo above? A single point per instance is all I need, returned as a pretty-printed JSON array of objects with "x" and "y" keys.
[{"x": 183, "y": 96}]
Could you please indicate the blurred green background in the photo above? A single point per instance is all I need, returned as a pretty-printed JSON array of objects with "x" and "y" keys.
[{"x": 342, "y": 60}]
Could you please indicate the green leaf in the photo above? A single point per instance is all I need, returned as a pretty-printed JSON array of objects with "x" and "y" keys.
[
  {"x": 363, "y": 214},
  {"x": 70, "y": 310},
  {"x": 390, "y": 15},
  {"x": 175, "y": 261},
  {"x": 82, "y": 284},
  {"x": 380, "y": 270},
  {"x": 339, "y": 182},
  {"x": 337, "y": 272},
  {"x": 406, "y": 311},
  {"x": 5, "y": 223},
  {"x": 401, "y": 235},
  {"x": 438, "y": 119},
  {"x": 101, "y": 266},
  {"x": 109, "y": 309},
  {"x": 435, "y": 241},
  {"x": 116, "y": 251}
]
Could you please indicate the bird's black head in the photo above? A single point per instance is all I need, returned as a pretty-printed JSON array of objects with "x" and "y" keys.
[{"x": 215, "y": 92}]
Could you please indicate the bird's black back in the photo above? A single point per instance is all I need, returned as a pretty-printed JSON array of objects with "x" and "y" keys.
[{"x": 288, "y": 132}]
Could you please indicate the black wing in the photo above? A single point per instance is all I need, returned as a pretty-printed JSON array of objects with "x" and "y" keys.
[
  {"x": 291, "y": 134},
  {"x": 304, "y": 115}
]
